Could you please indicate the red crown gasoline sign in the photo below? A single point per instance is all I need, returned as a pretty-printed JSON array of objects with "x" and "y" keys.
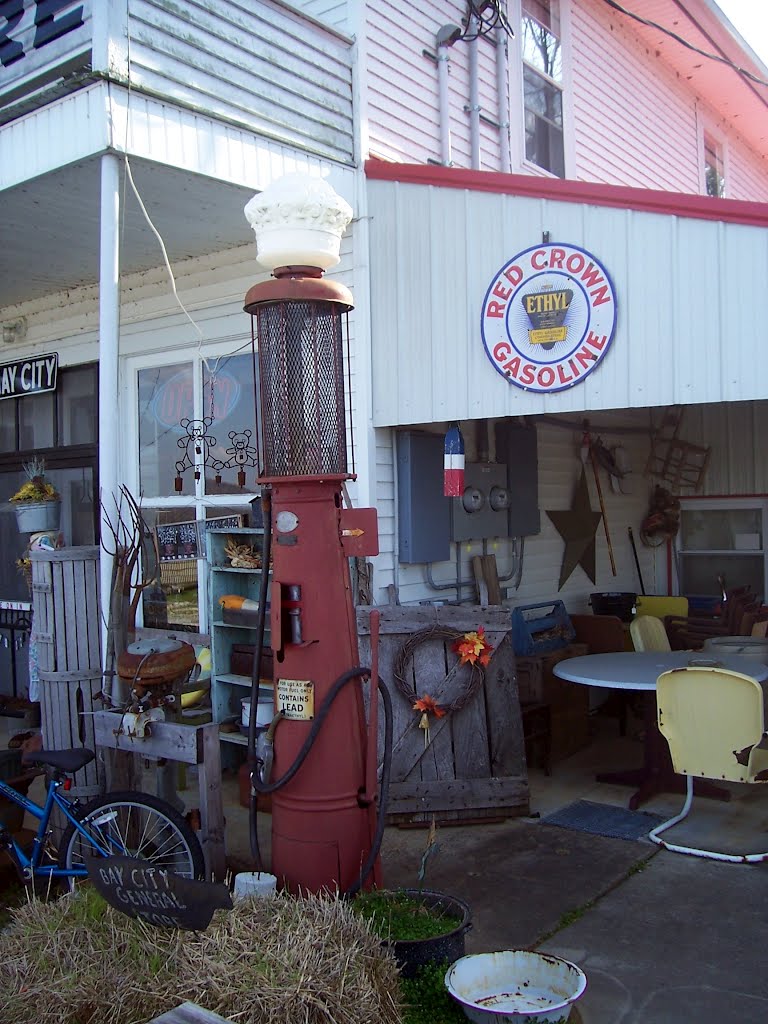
[{"x": 549, "y": 317}]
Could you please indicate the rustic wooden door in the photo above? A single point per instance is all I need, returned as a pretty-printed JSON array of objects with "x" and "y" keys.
[{"x": 470, "y": 763}]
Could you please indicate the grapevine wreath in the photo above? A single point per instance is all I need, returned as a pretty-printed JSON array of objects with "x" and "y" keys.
[{"x": 472, "y": 648}]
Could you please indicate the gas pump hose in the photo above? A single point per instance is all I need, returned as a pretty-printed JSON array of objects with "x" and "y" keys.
[
  {"x": 258, "y": 787},
  {"x": 261, "y": 788}
]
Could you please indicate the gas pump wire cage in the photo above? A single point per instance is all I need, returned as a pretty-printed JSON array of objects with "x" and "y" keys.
[{"x": 300, "y": 327}]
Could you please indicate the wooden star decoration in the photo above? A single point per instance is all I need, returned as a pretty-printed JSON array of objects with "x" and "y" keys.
[{"x": 577, "y": 526}]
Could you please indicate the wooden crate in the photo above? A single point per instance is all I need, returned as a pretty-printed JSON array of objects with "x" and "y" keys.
[
  {"x": 67, "y": 626},
  {"x": 568, "y": 702},
  {"x": 473, "y": 764}
]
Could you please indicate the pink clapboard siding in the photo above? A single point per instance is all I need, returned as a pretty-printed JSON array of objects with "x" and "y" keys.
[
  {"x": 633, "y": 124},
  {"x": 631, "y": 118}
]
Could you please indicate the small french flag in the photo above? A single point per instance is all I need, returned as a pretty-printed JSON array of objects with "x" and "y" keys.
[{"x": 453, "y": 463}]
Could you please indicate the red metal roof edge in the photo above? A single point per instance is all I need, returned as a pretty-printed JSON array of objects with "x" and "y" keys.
[{"x": 678, "y": 204}]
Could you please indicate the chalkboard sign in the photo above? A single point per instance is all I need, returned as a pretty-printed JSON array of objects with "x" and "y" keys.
[
  {"x": 159, "y": 897},
  {"x": 177, "y": 541}
]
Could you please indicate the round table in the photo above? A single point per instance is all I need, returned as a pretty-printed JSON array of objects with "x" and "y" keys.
[{"x": 639, "y": 670}]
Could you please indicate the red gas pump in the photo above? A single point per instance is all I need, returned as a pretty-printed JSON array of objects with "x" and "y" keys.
[{"x": 324, "y": 814}]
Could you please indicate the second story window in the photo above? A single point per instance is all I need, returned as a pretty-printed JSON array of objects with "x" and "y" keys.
[
  {"x": 714, "y": 167},
  {"x": 542, "y": 85}
]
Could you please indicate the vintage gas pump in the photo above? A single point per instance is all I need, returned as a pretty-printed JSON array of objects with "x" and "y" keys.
[{"x": 324, "y": 817}]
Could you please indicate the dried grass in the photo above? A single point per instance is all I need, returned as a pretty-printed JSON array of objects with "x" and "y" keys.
[{"x": 308, "y": 960}]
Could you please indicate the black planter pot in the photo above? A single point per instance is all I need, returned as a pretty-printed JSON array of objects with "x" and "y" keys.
[{"x": 411, "y": 954}]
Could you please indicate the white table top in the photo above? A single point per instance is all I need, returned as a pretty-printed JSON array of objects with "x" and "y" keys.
[{"x": 639, "y": 670}]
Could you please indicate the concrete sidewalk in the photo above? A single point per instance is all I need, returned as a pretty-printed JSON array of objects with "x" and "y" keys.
[{"x": 663, "y": 938}]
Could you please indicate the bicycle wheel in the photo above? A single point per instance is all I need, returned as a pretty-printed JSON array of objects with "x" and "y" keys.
[{"x": 133, "y": 825}]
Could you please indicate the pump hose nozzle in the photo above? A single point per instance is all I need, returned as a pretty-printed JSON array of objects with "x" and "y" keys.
[{"x": 265, "y": 751}]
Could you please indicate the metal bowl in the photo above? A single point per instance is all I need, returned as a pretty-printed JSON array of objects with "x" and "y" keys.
[{"x": 515, "y": 986}]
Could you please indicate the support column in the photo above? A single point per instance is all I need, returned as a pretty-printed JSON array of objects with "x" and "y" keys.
[{"x": 109, "y": 343}]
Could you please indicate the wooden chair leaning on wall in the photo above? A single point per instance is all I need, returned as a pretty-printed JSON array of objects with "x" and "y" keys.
[{"x": 712, "y": 719}]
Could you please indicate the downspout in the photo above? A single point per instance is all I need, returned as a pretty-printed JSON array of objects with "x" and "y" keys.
[
  {"x": 109, "y": 338},
  {"x": 444, "y": 39},
  {"x": 502, "y": 91},
  {"x": 473, "y": 30}
]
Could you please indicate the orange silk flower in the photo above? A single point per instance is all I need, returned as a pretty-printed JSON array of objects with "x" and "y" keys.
[
  {"x": 473, "y": 647},
  {"x": 428, "y": 705}
]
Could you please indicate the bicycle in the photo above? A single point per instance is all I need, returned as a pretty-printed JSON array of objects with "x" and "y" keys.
[{"x": 127, "y": 823}]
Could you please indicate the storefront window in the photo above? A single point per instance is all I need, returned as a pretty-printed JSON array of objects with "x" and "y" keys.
[
  {"x": 216, "y": 394},
  {"x": 165, "y": 400},
  {"x": 8, "y": 426},
  {"x": 228, "y": 398},
  {"x": 36, "y": 421},
  {"x": 77, "y": 414}
]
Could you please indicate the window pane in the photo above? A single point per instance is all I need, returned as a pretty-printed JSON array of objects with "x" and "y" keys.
[
  {"x": 8, "y": 425},
  {"x": 714, "y": 172},
  {"x": 541, "y": 48},
  {"x": 78, "y": 406},
  {"x": 171, "y": 602},
  {"x": 36, "y": 422},
  {"x": 228, "y": 395},
  {"x": 543, "y": 123},
  {"x": 546, "y": 12},
  {"x": 165, "y": 399}
]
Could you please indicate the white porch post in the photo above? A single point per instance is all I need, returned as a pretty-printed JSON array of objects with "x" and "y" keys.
[{"x": 109, "y": 343}]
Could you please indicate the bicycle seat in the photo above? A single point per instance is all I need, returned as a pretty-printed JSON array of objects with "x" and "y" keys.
[{"x": 64, "y": 760}]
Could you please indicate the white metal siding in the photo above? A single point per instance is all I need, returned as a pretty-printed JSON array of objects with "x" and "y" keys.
[
  {"x": 684, "y": 334},
  {"x": 61, "y": 133},
  {"x": 258, "y": 65},
  {"x": 559, "y": 471}
]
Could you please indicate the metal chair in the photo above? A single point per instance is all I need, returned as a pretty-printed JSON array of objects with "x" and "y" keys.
[
  {"x": 660, "y": 606},
  {"x": 712, "y": 719},
  {"x": 648, "y": 634}
]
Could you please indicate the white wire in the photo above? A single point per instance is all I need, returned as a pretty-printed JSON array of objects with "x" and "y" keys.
[{"x": 166, "y": 260}]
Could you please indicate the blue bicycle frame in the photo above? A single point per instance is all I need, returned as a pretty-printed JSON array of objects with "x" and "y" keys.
[{"x": 32, "y": 867}]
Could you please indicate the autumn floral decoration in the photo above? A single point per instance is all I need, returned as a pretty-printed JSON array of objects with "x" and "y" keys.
[{"x": 473, "y": 648}]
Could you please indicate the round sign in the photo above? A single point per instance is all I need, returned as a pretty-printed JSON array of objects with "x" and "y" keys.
[{"x": 549, "y": 317}]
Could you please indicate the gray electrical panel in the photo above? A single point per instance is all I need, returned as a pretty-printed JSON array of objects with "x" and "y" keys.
[
  {"x": 517, "y": 447},
  {"x": 422, "y": 509},
  {"x": 481, "y": 512}
]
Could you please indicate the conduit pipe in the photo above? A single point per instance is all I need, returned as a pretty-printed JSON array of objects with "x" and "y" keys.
[
  {"x": 444, "y": 39},
  {"x": 502, "y": 91},
  {"x": 473, "y": 30}
]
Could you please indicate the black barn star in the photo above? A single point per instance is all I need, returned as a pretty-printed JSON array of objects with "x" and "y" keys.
[{"x": 577, "y": 526}]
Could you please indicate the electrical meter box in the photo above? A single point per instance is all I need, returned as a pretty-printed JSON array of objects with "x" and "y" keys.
[
  {"x": 517, "y": 447},
  {"x": 482, "y": 511},
  {"x": 422, "y": 509}
]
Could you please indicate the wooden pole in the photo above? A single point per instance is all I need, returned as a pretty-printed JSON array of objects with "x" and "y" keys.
[{"x": 602, "y": 507}]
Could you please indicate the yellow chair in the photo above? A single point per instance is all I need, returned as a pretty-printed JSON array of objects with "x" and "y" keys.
[
  {"x": 648, "y": 634},
  {"x": 712, "y": 719},
  {"x": 650, "y": 604}
]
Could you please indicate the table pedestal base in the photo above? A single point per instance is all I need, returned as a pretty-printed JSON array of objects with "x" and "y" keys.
[
  {"x": 657, "y": 774},
  {"x": 648, "y": 785}
]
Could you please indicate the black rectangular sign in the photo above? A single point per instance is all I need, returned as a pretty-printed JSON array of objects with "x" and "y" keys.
[{"x": 31, "y": 376}]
